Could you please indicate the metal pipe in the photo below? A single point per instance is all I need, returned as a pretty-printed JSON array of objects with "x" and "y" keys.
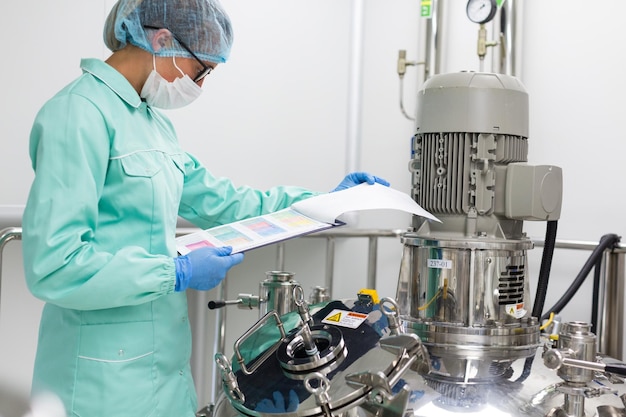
[
  {"x": 580, "y": 245},
  {"x": 219, "y": 341},
  {"x": 372, "y": 257},
  {"x": 355, "y": 83},
  {"x": 433, "y": 41},
  {"x": 610, "y": 329},
  {"x": 611, "y": 314},
  {"x": 330, "y": 265},
  {"x": 508, "y": 63},
  {"x": 280, "y": 256},
  {"x": 6, "y": 235},
  {"x": 335, "y": 232}
]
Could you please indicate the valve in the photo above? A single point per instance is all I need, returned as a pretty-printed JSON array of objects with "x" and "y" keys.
[{"x": 243, "y": 301}]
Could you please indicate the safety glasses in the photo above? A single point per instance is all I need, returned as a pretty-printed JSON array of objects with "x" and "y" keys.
[{"x": 206, "y": 70}]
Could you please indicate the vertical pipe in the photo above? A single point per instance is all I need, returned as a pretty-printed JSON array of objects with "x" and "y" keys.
[
  {"x": 7, "y": 235},
  {"x": 611, "y": 327},
  {"x": 355, "y": 82},
  {"x": 432, "y": 60},
  {"x": 330, "y": 265},
  {"x": 371, "y": 262},
  {"x": 505, "y": 30},
  {"x": 197, "y": 303},
  {"x": 470, "y": 298},
  {"x": 574, "y": 405},
  {"x": 280, "y": 257},
  {"x": 218, "y": 340}
]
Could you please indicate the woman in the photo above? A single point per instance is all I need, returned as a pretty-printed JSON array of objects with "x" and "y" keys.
[{"x": 99, "y": 225}]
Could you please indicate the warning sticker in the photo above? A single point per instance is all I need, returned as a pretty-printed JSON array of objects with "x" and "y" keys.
[
  {"x": 345, "y": 318},
  {"x": 515, "y": 310}
]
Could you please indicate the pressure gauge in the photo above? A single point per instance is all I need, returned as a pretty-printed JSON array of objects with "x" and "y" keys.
[{"x": 481, "y": 11}]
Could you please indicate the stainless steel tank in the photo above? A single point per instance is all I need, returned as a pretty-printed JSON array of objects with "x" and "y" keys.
[
  {"x": 367, "y": 366},
  {"x": 342, "y": 358},
  {"x": 463, "y": 285}
]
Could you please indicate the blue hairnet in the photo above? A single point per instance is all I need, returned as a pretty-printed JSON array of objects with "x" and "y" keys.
[{"x": 202, "y": 25}]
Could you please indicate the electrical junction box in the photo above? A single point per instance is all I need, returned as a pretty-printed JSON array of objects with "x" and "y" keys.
[{"x": 533, "y": 192}]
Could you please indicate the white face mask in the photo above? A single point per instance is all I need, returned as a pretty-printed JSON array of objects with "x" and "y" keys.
[{"x": 160, "y": 93}]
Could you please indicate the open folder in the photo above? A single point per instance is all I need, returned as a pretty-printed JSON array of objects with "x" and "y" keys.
[{"x": 304, "y": 217}]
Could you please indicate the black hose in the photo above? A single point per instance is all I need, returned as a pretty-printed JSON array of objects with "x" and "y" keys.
[
  {"x": 542, "y": 285},
  {"x": 607, "y": 241},
  {"x": 596, "y": 295},
  {"x": 544, "y": 271}
]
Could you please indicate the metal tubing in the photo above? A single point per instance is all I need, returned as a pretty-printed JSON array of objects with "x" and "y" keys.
[
  {"x": 610, "y": 329},
  {"x": 372, "y": 257},
  {"x": 432, "y": 59},
  {"x": 355, "y": 84},
  {"x": 510, "y": 31},
  {"x": 330, "y": 265},
  {"x": 219, "y": 341},
  {"x": 6, "y": 235},
  {"x": 280, "y": 256},
  {"x": 611, "y": 315}
]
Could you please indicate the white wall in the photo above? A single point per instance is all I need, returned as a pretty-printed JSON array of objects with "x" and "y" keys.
[{"x": 277, "y": 113}]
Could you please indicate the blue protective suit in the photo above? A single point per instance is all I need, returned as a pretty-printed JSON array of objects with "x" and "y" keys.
[{"x": 99, "y": 241}]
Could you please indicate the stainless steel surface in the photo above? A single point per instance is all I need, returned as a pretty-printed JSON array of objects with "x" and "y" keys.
[
  {"x": 577, "y": 342},
  {"x": 434, "y": 40},
  {"x": 219, "y": 341},
  {"x": 614, "y": 274},
  {"x": 463, "y": 285},
  {"x": 509, "y": 57},
  {"x": 371, "y": 262},
  {"x": 330, "y": 265},
  {"x": 610, "y": 329},
  {"x": 241, "y": 360},
  {"x": 355, "y": 90},
  {"x": 357, "y": 365},
  {"x": 276, "y": 292},
  {"x": 574, "y": 358},
  {"x": 543, "y": 393},
  {"x": 7, "y": 235},
  {"x": 470, "y": 308}
]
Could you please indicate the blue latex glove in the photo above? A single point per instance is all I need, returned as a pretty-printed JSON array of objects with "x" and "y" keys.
[
  {"x": 356, "y": 178},
  {"x": 278, "y": 405},
  {"x": 204, "y": 268}
]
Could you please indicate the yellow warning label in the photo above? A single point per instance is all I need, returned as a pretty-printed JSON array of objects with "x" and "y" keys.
[
  {"x": 334, "y": 317},
  {"x": 345, "y": 318},
  {"x": 515, "y": 310}
]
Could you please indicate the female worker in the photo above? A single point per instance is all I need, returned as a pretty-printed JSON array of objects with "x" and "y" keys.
[{"x": 99, "y": 225}]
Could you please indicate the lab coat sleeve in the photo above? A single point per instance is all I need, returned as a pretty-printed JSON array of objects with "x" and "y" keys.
[
  {"x": 63, "y": 263},
  {"x": 208, "y": 201}
]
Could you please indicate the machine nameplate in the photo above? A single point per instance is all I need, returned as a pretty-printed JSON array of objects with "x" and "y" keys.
[{"x": 440, "y": 263}]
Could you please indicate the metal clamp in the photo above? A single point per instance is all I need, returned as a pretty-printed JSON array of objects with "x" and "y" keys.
[
  {"x": 392, "y": 315},
  {"x": 321, "y": 392},
  {"x": 229, "y": 379}
]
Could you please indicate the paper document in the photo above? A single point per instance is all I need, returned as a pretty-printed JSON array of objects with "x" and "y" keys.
[
  {"x": 304, "y": 217},
  {"x": 328, "y": 207}
]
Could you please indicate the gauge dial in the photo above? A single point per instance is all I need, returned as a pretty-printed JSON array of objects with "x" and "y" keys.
[{"x": 481, "y": 11}]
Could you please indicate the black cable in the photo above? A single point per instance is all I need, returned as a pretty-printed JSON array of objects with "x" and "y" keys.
[
  {"x": 544, "y": 270},
  {"x": 607, "y": 241},
  {"x": 596, "y": 295},
  {"x": 542, "y": 285}
]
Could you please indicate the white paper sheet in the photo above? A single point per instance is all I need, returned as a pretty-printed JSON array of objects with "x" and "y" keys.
[{"x": 328, "y": 207}]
